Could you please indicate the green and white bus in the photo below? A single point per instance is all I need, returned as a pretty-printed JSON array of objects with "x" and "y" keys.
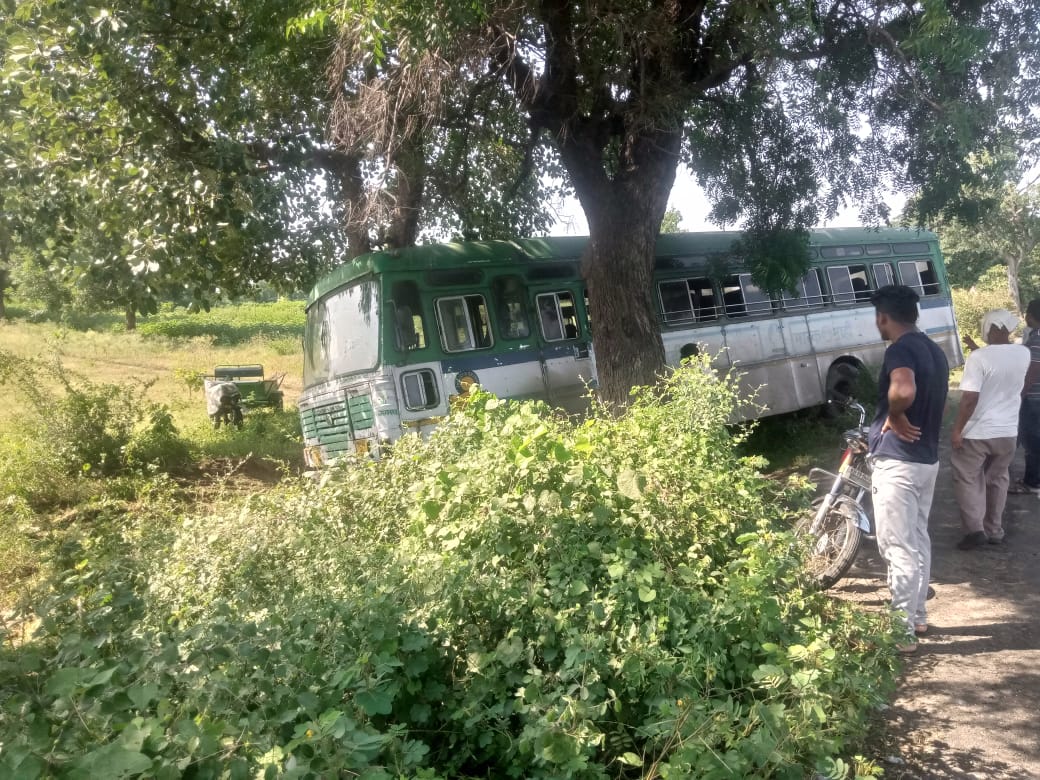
[{"x": 392, "y": 337}]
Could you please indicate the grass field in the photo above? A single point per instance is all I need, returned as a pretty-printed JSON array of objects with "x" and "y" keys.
[{"x": 166, "y": 349}]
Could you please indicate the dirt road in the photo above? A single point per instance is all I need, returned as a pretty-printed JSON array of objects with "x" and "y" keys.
[{"x": 968, "y": 705}]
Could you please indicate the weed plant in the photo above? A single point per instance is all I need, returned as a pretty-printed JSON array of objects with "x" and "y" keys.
[
  {"x": 520, "y": 595},
  {"x": 80, "y": 428}
]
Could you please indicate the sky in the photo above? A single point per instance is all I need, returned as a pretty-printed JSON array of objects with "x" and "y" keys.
[{"x": 689, "y": 199}]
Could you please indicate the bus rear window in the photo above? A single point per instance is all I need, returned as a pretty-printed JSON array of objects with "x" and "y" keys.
[
  {"x": 919, "y": 274},
  {"x": 688, "y": 300},
  {"x": 464, "y": 323},
  {"x": 848, "y": 283}
]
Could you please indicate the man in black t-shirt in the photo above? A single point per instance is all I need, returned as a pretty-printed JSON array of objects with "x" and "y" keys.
[{"x": 904, "y": 446}]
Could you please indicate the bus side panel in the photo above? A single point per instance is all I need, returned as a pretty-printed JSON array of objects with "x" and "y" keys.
[
  {"x": 806, "y": 384},
  {"x": 849, "y": 333},
  {"x": 938, "y": 322},
  {"x": 507, "y": 374},
  {"x": 707, "y": 338},
  {"x": 759, "y": 355},
  {"x": 568, "y": 371}
]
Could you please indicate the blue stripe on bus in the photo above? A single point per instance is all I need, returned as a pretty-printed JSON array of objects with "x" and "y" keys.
[
  {"x": 934, "y": 303},
  {"x": 459, "y": 363}
]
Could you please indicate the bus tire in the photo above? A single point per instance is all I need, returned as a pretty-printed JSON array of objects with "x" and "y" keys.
[
  {"x": 842, "y": 379},
  {"x": 835, "y": 546}
]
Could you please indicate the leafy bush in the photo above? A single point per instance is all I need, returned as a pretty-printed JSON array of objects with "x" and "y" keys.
[
  {"x": 520, "y": 595},
  {"x": 79, "y": 426},
  {"x": 155, "y": 445},
  {"x": 969, "y": 306}
]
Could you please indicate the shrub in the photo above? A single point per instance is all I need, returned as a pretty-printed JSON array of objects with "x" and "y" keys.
[
  {"x": 969, "y": 306},
  {"x": 520, "y": 595},
  {"x": 155, "y": 445},
  {"x": 86, "y": 427}
]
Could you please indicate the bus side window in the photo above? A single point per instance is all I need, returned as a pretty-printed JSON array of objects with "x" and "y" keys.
[
  {"x": 756, "y": 300},
  {"x": 705, "y": 306},
  {"x": 588, "y": 309},
  {"x": 558, "y": 316},
  {"x": 919, "y": 274},
  {"x": 464, "y": 323},
  {"x": 808, "y": 292},
  {"x": 742, "y": 297},
  {"x": 733, "y": 297},
  {"x": 676, "y": 302},
  {"x": 848, "y": 283},
  {"x": 883, "y": 274},
  {"x": 408, "y": 323},
  {"x": 509, "y": 295}
]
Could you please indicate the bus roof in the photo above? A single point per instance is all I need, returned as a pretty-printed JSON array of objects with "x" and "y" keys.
[{"x": 522, "y": 250}]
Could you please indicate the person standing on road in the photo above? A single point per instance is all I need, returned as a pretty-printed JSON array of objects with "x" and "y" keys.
[
  {"x": 1029, "y": 421},
  {"x": 904, "y": 447},
  {"x": 984, "y": 434}
]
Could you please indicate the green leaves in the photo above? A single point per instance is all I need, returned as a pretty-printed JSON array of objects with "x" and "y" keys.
[{"x": 443, "y": 613}]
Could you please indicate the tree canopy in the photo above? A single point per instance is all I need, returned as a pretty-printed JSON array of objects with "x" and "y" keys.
[
  {"x": 784, "y": 111},
  {"x": 153, "y": 148},
  {"x": 196, "y": 145},
  {"x": 192, "y": 149}
]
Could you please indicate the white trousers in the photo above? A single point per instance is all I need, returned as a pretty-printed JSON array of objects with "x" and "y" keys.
[{"x": 902, "y": 495}]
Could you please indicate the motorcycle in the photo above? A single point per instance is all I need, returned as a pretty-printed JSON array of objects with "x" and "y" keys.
[{"x": 842, "y": 517}]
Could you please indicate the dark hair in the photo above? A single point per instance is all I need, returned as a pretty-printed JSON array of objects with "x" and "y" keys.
[
  {"x": 1033, "y": 309},
  {"x": 897, "y": 301}
]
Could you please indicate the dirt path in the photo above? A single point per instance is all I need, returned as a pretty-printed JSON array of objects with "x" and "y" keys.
[{"x": 968, "y": 705}]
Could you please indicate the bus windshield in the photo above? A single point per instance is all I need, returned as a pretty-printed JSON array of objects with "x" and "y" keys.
[{"x": 342, "y": 333}]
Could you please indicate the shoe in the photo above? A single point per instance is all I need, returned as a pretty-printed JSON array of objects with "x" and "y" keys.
[
  {"x": 908, "y": 649},
  {"x": 1021, "y": 488},
  {"x": 996, "y": 540},
  {"x": 931, "y": 593},
  {"x": 971, "y": 541},
  {"x": 920, "y": 629}
]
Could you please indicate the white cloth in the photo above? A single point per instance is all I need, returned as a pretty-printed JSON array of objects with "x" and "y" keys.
[
  {"x": 996, "y": 372},
  {"x": 1002, "y": 318}
]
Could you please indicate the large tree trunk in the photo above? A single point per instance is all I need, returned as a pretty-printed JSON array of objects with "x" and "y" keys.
[
  {"x": 624, "y": 215},
  {"x": 409, "y": 185},
  {"x": 131, "y": 318}
]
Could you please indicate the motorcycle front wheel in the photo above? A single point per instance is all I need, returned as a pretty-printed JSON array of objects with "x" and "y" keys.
[{"x": 836, "y": 542}]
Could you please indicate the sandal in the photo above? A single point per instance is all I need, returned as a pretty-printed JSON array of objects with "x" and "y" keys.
[
  {"x": 920, "y": 629},
  {"x": 1020, "y": 488}
]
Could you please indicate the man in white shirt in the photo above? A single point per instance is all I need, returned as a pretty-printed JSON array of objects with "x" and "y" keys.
[{"x": 986, "y": 429}]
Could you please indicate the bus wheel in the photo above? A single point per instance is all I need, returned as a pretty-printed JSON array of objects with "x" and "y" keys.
[{"x": 842, "y": 379}]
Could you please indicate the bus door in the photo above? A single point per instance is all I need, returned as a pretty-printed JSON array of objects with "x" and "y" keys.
[{"x": 566, "y": 352}]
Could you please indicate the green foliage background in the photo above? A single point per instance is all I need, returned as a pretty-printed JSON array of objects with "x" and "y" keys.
[{"x": 520, "y": 595}]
